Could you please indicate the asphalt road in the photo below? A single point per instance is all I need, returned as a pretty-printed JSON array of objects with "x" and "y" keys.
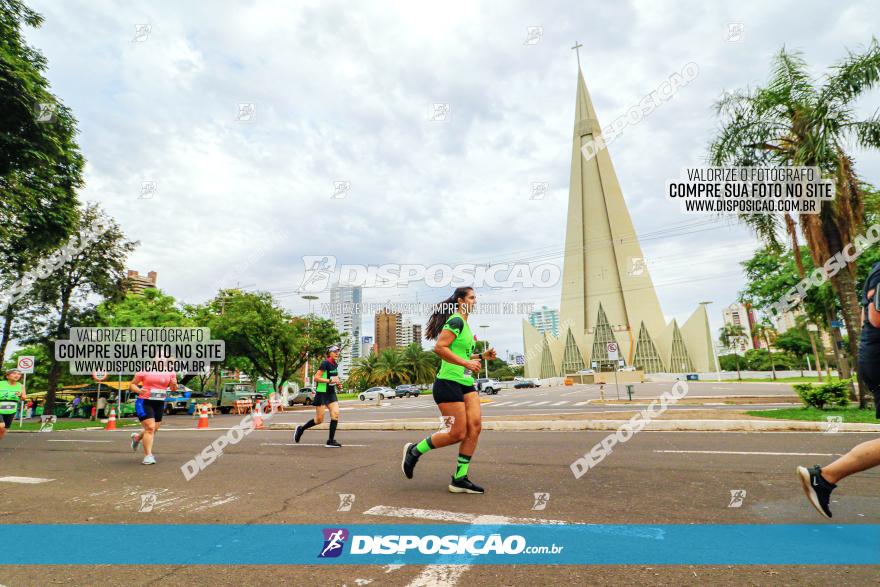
[{"x": 654, "y": 478}]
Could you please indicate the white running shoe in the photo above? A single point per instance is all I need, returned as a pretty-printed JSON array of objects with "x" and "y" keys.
[
  {"x": 135, "y": 441},
  {"x": 149, "y": 460}
]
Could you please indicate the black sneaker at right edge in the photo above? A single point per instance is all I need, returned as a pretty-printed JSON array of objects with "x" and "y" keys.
[
  {"x": 408, "y": 463},
  {"x": 817, "y": 489},
  {"x": 464, "y": 485}
]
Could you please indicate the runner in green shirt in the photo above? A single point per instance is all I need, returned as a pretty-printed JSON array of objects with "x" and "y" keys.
[
  {"x": 454, "y": 390},
  {"x": 11, "y": 391}
]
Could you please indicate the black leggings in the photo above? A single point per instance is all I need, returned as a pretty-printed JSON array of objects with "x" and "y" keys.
[{"x": 869, "y": 370}]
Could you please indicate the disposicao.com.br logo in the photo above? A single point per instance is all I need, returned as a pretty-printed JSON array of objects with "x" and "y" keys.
[{"x": 450, "y": 544}]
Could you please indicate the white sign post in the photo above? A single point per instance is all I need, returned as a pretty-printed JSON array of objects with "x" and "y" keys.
[
  {"x": 613, "y": 354},
  {"x": 25, "y": 365}
]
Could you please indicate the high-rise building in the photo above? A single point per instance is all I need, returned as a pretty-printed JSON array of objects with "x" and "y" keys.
[
  {"x": 386, "y": 329},
  {"x": 408, "y": 333},
  {"x": 607, "y": 292},
  {"x": 136, "y": 283},
  {"x": 366, "y": 346},
  {"x": 345, "y": 312},
  {"x": 545, "y": 320},
  {"x": 737, "y": 314}
]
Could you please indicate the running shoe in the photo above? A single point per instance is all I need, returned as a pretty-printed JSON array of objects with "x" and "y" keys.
[
  {"x": 818, "y": 490},
  {"x": 332, "y": 443},
  {"x": 299, "y": 433},
  {"x": 410, "y": 458},
  {"x": 464, "y": 485},
  {"x": 149, "y": 460},
  {"x": 135, "y": 441}
]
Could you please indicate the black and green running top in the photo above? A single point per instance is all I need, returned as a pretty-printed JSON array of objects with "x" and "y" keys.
[
  {"x": 463, "y": 346},
  {"x": 330, "y": 370}
]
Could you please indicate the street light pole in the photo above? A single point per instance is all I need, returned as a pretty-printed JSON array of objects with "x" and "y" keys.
[
  {"x": 310, "y": 298},
  {"x": 485, "y": 328}
]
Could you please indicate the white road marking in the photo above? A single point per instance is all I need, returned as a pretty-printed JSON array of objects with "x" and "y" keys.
[
  {"x": 77, "y": 440},
  {"x": 582, "y": 403},
  {"x": 445, "y": 516},
  {"x": 303, "y": 444},
  {"x": 497, "y": 404},
  {"x": 540, "y": 403},
  {"x": 734, "y": 452},
  {"x": 439, "y": 576},
  {"x": 26, "y": 480},
  {"x": 563, "y": 402},
  {"x": 520, "y": 404},
  {"x": 570, "y": 393}
]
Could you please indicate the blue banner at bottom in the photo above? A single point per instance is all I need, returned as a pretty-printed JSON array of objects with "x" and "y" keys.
[{"x": 419, "y": 544}]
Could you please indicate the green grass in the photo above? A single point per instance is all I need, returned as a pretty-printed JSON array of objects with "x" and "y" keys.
[
  {"x": 72, "y": 424},
  {"x": 853, "y": 414},
  {"x": 782, "y": 380}
]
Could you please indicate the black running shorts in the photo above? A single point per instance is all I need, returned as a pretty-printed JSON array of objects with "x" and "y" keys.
[
  {"x": 325, "y": 398},
  {"x": 870, "y": 372},
  {"x": 149, "y": 409},
  {"x": 450, "y": 391}
]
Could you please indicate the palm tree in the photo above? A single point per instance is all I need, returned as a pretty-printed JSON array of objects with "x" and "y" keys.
[
  {"x": 390, "y": 369},
  {"x": 418, "y": 364},
  {"x": 765, "y": 331},
  {"x": 791, "y": 122},
  {"x": 729, "y": 336},
  {"x": 363, "y": 371}
]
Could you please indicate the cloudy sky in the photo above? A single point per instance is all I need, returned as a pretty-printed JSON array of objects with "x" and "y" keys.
[{"x": 342, "y": 93}]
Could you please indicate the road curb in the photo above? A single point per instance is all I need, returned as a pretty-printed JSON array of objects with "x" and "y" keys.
[{"x": 573, "y": 425}]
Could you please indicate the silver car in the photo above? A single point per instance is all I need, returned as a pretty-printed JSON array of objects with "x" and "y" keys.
[{"x": 377, "y": 392}]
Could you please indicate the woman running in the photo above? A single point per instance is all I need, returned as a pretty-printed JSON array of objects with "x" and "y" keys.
[
  {"x": 328, "y": 382},
  {"x": 11, "y": 392},
  {"x": 454, "y": 390},
  {"x": 151, "y": 387},
  {"x": 818, "y": 482}
]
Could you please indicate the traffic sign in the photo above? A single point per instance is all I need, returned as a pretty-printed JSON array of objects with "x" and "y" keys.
[
  {"x": 612, "y": 350},
  {"x": 26, "y": 364},
  {"x": 99, "y": 375}
]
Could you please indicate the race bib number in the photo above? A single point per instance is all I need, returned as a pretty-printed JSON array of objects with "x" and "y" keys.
[
  {"x": 158, "y": 393},
  {"x": 8, "y": 405}
]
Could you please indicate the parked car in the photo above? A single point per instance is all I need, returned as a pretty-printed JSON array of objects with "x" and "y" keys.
[
  {"x": 486, "y": 385},
  {"x": 176, "y": 403},
  {"x": 374, "y": 392},
  {"x": 525, "y": 383},
  {"x": 627, "y": 368},
  {"x": 305, "y": 396},
  {"x": 586, "y": 372},
  {"x": 407, "y": 390}
]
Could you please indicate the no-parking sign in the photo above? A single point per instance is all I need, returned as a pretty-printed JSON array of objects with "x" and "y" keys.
[
  {"x": 612, "y": 350},
  {"x": 99, "y": 376},
  {"x": 26, "y": 364}
]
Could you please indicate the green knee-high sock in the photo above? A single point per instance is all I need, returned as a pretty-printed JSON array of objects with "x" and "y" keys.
[
  {"x": 422, "y": 447},
  {"x": 464, "y": 462}
]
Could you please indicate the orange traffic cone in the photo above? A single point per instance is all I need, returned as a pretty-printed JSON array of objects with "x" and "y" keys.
[
  {"x": 258, "y": 417},
  {"x": 111, "y": 421},
  {"x": 203, "y": 416}
]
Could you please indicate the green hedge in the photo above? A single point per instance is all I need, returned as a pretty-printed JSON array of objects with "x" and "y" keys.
[{"x": 834, "y": 393}]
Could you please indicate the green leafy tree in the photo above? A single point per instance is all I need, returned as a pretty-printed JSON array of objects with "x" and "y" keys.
[
  {"x": 64, "y": 296},
  {"x": 792, "y": 122},
  {"x": 150, "y": 309},
  {"x": 40, "y": 163},
  {"x": 795, "y": 341},
  {"x": 729, "y": 336},
  {"x": 419, "y": 365},
  {"x": 275, "y": 344}
]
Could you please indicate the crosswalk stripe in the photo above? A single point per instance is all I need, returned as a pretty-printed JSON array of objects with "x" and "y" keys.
[
  {"x": 560, "y": 403},
  {"x": 27, "y": 480},
  {"x": 540, "y": 403},
  {"x": 496, "y": 404},
  {"x": 520, "y": 404},
  {"x": 582, "y": 403}
]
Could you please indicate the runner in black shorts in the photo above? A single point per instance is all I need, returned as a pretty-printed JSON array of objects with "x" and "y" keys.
[
  {"x": 454, "y": 390},
  {"x": 818, "y": 482},
  {"x": 327, "y": 379}
]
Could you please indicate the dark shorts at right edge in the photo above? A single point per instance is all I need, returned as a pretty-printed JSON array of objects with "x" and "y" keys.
[
  {"x": 870, "y": 373},
  {"x": 450, "y": 391}
]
